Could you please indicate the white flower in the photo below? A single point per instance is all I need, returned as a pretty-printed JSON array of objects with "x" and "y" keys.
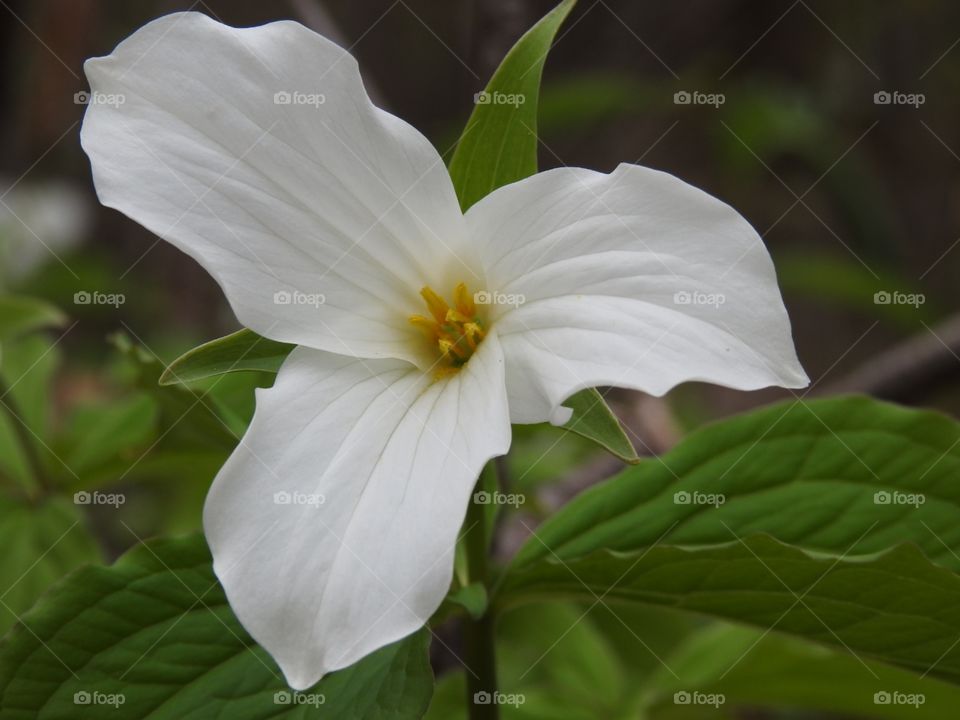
[{"x": 402, "y": 386}]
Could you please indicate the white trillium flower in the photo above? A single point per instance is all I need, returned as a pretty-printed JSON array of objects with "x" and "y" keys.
[{"x": 403, "y": 385}]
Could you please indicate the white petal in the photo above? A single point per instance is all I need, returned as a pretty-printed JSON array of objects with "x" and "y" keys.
[
  {"x": 603, "y": 263},
  {"x": 188, "y": 136},
  {"x": 394, "y": 457}
]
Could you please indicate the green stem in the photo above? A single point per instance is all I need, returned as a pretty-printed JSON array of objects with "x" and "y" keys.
[{"x": 479, "y": 650}]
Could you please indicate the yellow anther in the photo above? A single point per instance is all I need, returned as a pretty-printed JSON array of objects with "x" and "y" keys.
[
  {"x": 421, "y": 322},
  {"x": 454, "y": 316},
  {"x": 438, "y": 308},
  {"x": 473, "y": 333},
  {"x": 464, "y": 300},
  {"x": 452, "y": 349},
  {"x": 455, "y": 332}
]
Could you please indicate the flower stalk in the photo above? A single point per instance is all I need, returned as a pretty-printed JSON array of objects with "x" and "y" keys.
[{"x": 479, "y": 642}]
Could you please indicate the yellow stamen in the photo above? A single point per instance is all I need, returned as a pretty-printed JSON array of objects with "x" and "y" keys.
[
  {"x": 425, "y": 323},
  {"x": 451, "y": 349},
  {"x": 438, "y": 308},
  {"x": 454, "y": 316},
  {"x": 464, "y": 300},
  {"x": 471, "y": 331},
  {"x": 454, "y": 332}
]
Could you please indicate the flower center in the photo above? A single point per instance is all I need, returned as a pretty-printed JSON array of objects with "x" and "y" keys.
[{"x": 454, "y": 331}]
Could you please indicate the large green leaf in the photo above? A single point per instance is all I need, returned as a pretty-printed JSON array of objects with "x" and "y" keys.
[
  {"x": 242, "y": 350},
  {"x": 752, "y": 669},
  {"x": 499, "y": 144},
  {"x": 156, "y": 628},
  {"x": 895, "y": 607},
  {"x": 805, "y": 472},
  {"x": 41, "y": 543}
]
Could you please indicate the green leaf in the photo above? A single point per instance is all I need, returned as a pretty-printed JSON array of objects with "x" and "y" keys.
[
  {"x": 156, "y": 629},
  {"x": 41, "y": 543},
  {"x": 239, "y": 351},
  {"x": 29, "y": 364},
  {"x": 20, "y": 314},
  {"x": 753, "y": 669},
  {"x": 472, "y": 598},
  {"x": 594, "y": 420},
  {"x": 499, "y": 144},
  {"x": 579, "y": 677},
  {"x": 895, "y": 607},
  {"x": 805, "y": 472},
  {"x": 97, "y": 434}
]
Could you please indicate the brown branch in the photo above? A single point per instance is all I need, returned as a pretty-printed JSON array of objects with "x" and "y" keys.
[{"x": 909, "y": 371}]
